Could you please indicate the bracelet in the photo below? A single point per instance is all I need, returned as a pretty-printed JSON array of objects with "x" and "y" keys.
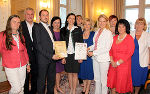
[
  {"x": 28, "y": 64},
  {"x": 118, "y": 63}
]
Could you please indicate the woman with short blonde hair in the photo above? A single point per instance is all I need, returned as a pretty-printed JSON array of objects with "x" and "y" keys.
[
  {"x": 140, "y": 58},
  {"x": 86, "y": 67}
]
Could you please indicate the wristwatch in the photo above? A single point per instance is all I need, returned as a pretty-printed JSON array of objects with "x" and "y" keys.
[
  {"x": 28, "y": 64},
  {"x": 118, "y": 63}
]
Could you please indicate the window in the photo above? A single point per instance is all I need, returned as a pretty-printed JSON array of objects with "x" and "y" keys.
[
  {"x": 131, "y": 19},
  {"x": 63, "y": 11},
  {"x": 135, "y": 9},
  {"x": 131, "y": 2}
]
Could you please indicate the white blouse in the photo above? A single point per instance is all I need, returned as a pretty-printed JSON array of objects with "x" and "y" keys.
[
  {"x": 144, "y": 44},
  {"x": 70, "y": 49},
  {"x": 30, "y": 29},
  {"x": 17, "y": 40}
]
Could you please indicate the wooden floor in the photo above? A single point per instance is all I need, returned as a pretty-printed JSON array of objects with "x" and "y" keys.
[{"x": 4, "y": 86}]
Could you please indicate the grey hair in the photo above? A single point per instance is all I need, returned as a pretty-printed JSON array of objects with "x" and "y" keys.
[{"x": 28, "y": 8}]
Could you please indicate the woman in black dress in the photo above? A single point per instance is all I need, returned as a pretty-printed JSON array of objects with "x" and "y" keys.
[{"x": 71, "y": 33}]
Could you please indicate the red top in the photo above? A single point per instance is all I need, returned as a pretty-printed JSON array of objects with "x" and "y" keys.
[
  {"x": 13, "y": 58},
  {"x": 120, "y": 77}
]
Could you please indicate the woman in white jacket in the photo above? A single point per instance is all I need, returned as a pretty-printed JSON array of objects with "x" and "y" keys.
[
  {"x": 140, "y": 58},
  {"x": 100, "y": 52}
]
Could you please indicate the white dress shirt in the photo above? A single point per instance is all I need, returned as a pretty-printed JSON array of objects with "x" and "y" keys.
[
  {"x": 144, "y": 44},
  {"x": 30, "y": 29},
  {"x": 48, "y": 30}
]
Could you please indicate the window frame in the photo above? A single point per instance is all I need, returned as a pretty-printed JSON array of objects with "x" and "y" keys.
[
  {"x": 141, "y": 7},
  {"x": 64, "y": 6}
]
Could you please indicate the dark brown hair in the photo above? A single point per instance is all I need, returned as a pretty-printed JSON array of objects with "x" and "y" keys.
[
  {"x": 112, "y": 17},
  {"x": 8, "y": 33},
  {"x": 43, "y": 10}
]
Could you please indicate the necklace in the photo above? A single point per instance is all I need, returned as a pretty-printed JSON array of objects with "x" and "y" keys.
[
  {"x": 14, "y": 34},
  {"x": 122, "y": 38}
]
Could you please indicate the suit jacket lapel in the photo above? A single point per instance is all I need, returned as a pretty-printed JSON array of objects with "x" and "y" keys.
[
  {"x": 44, "y": 30},
  {"x": 26, "y": 31}
]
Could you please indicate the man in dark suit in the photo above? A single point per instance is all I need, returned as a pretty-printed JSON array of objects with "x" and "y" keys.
[
  {"x": 27, "y": 25},
  {"x": 43, "y": 40}
]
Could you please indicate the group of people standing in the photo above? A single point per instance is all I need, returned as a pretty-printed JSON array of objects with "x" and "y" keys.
[{"x": 117, "y": 59}]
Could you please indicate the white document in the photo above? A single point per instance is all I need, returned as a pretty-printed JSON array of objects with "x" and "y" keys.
[{"x": 80, "y": 51}]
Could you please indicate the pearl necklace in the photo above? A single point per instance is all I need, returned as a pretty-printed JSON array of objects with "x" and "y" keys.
[{"x": 122, "y": 38}]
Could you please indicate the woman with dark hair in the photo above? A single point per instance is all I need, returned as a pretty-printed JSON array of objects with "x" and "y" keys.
[
  {"x": 55, "y": 27},
  {"x": 15, "y": 59},
  {"x": 119, "y": 73},
  {"x": 71, "y": 34}
]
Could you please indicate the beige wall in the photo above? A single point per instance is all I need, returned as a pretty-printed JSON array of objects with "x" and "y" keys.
[
  {"x": 18, "y": 6},
  {"x": 93, "y": 8},
  {"x": 4, "y": 14}
]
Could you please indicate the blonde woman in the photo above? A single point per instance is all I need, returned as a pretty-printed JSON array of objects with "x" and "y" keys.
[
  {"x": 86, "y": 67},
  {"x": 100, "y": 52},
  {"x": 140, "y": 58}
]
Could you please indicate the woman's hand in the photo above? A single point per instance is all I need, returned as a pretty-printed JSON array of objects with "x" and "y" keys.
[
  {"x": 80, "y": 61},
  {"x": 28, "y": 68},
  {"x": 114, "y": 64},
  {"x": 88, "y": 49},
  {"x": 90, "y": 54},
  {"x": 56, "y": 57},
  {"x": 148, "y": 66},
  {"x": 63, "y": 61}
]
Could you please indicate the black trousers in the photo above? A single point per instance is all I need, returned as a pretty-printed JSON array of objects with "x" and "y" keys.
[
  {"x": 26, "y": 85},
  {"x": 46, "y": 71},
  {"x": 33, "y": 76}
]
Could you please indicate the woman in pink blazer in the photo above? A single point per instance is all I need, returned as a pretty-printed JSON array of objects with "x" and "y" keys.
[{"x": 14, "y": 54}]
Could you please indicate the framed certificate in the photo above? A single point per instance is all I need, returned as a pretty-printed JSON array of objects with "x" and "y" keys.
[
  {"x": 60, "y": 48},
  {"x": 80, "y": 51}
]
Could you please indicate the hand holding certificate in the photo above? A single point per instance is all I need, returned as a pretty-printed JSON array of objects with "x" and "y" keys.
[
  {"x": 60, "y": 48},
  {"x": 80, "y": 51}
]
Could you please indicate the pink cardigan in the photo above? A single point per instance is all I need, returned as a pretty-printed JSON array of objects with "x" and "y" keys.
[{"x": 13, "y": 58}]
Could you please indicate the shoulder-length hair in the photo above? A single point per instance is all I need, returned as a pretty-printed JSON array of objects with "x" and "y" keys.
[
  {"x": 8, "y": 33},
  {"x": 55, "y": 18},
  {"x": 141, "y": 20},
  {"x": 125, "y": 23},
  {"x": 66, "y": 22},
  {"x": 106, "y": 18},
  {"x": 88, "y": 20}
]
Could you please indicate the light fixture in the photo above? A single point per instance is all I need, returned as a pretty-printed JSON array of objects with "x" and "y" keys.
[
  {"x": 102, "y": 11},
  {"x": 4, "y": 0},
  {"x": 44, "y": 4}
]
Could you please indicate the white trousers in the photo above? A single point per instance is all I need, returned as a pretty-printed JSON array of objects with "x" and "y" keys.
[
  {"x": 16, "y": 78},
  {"x": 100, "y": 76}
]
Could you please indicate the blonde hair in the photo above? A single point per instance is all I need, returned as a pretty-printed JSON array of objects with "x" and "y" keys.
[
  {"x": 141, "y": 20},
  {"x": 28, "y": 8},
  {"x": 88, "y": 20},
  {"x": 106, "y": 18}
]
